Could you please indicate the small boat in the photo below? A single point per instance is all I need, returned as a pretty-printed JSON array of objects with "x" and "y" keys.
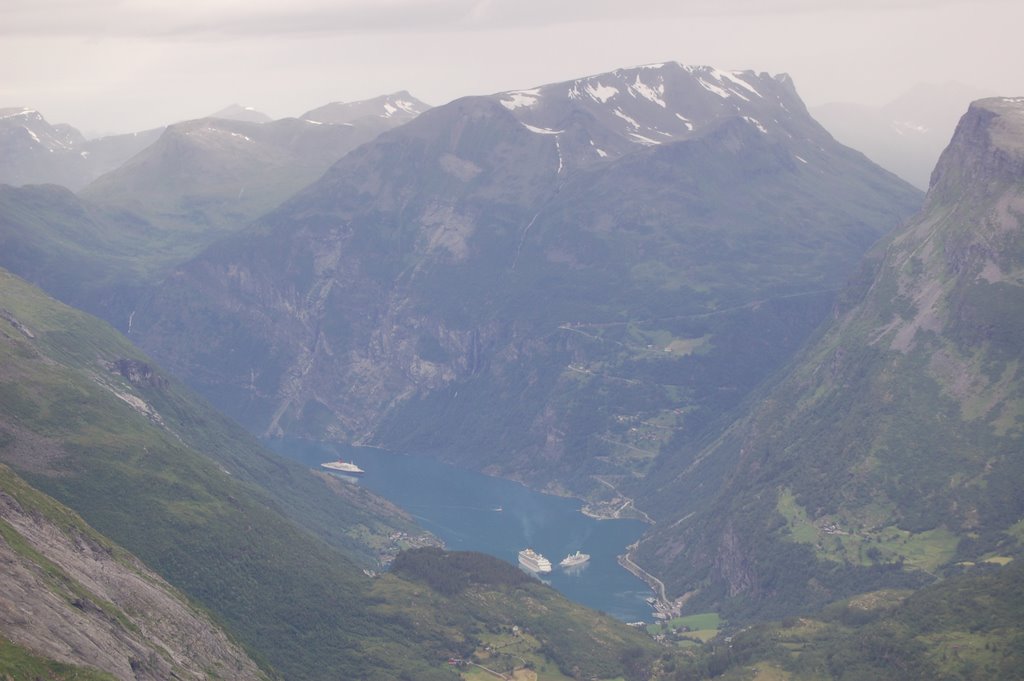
[
  {"x": 574, "y": 559},
  {"x": 346, "y": 467}
]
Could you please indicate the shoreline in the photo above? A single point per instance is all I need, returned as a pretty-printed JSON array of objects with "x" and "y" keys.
[{"x": 662, "y": 604}]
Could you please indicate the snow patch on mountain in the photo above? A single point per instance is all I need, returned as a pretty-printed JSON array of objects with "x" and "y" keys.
[
  {"x": 406, "y": 106},
  {"x": 756, "y": 123},
  {"x": 714, "y": 88},
  {"x": 521, "y": 98},
  {"x": 733, "y": 78},
  {"x": 646, "y": 141},
  {"x": 601, "y": 93},
  {"x": 14, "y": 113},
  {"x": 654, "y": 94},
  {"x": 542, "y": 131},
  {"x": 632, "y": 121}
]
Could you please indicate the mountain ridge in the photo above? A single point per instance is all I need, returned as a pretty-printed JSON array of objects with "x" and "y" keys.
[
  {"x": 408, "y": 272},
  {"x": 870, "y": 454}
]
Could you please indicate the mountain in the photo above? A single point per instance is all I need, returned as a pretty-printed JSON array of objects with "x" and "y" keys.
[
  {"x": 905, "y": 135},
  {"x": 213, "y": 175},
  {"x": 890, "y": 451},
  {"x": 89, "y": 421},
  {"x": 549, "y": 284},
  {"x": 70, "y": 595},
  {"x": 237, "y": 112},
  {"x": 32, "y": 151},
  {"x": 384, "y": 112},
  {"x": 90, "y": 256},
  {"x": 279, "y": 555}
]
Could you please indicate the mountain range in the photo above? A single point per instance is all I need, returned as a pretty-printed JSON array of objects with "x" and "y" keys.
[
  {"x": 665, "y": 289},
  {"x": 32, "y": 151},
  {"x": 668, "y": 217}
]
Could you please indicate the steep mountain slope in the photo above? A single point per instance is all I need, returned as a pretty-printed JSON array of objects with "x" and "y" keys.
[
  {"x": 252, "y": 538},
  {"x": 892, "y": 449},
  {"x": 32, "y": 151},
  {"x": 547, "y": 284},
  {"x": 69, "y": 594},
  {"x": 220, "y": 173},
  {"x": 89, "y": 421}
]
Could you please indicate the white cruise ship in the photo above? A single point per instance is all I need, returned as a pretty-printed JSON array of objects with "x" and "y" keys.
[
  {"x": 346, "y": 467},
  {"x": 533, "y": 561},
  {"x": 574, "y": 559}
]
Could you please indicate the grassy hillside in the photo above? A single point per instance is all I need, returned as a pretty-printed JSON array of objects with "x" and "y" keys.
[
  {"x": 485, "y": 602},
  {"x": 968, "y": 628},
  {"x": 83, "y": 432},
  {"x": 18, "y": 663},
  {"x": 69, "y": 594}
]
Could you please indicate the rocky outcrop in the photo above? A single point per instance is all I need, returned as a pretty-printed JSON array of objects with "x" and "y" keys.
[
  {"x": 138, "y": 373},
  {"x": 70, "y": 595}
]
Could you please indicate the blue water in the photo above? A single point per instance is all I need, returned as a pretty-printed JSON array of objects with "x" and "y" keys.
[{"x": 474, "y": 512}]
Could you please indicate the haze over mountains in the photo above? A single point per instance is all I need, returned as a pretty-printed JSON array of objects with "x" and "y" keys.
[
  {"x": 666, "y": 289},
  {"x": 408, "y": 274},
  {"x": 905, "y": 135}
]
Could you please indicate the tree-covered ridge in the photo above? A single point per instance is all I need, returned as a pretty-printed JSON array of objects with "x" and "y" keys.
[
  {"x": 450, "y": 573},
  {"x": 477, "y": 596},
  {"x": 968, "y": 628}
]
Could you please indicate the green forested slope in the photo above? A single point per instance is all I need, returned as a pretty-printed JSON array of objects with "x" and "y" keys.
[
  {"x": 83, "y": 433},
  {"x": 968, "y": 628},
  {"x": 88, "y": 420},
  {"x": 892, "y": 449}
]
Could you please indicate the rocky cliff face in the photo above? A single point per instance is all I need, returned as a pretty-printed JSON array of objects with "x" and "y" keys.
[
  {"x": 481, "y": 280},
  {"x": 889, "y": 449},
  {"x": 70, "y": 595}
]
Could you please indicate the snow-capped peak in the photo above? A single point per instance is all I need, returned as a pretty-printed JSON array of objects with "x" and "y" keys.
[{"x": 15, "y": 112}]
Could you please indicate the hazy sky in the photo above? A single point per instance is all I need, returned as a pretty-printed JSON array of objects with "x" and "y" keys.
[{"x": 122, "y": 65}]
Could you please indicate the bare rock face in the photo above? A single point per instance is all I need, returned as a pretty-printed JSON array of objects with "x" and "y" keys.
[
  {"x": 138, "y": 373},
  {"x": 69, "y": 595}
]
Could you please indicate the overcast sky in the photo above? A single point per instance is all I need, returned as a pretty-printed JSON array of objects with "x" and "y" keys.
[{"x": 124, "y": 65}]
